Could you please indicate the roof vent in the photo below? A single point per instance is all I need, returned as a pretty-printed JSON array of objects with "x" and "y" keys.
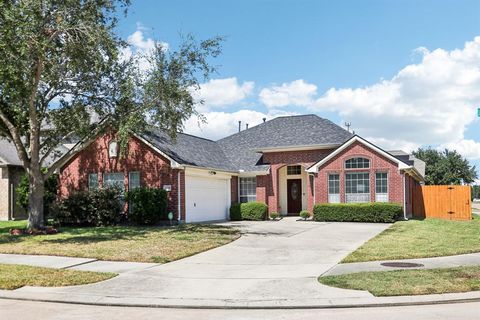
[
  {"x": 264, "y": 119},
  {"x": 246, "y": 126},
  {"x": 239, "y": 126}
]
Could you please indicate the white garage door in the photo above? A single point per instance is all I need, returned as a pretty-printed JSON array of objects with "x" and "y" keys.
[{"x": 206, "y": 199}]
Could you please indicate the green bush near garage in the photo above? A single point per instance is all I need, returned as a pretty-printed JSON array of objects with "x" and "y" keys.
[
  {"x": 254, "y": 211},
  {"x": 357, "y": 212},
  {"x": 235, "y": 212},
  {"x": 147, "y": 206}
]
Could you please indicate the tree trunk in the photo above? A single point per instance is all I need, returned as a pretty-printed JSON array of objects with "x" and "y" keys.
[{"x": 35, "y": 201}]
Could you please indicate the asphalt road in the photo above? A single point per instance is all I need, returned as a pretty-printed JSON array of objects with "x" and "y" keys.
[{"x": 19, "y": 310}]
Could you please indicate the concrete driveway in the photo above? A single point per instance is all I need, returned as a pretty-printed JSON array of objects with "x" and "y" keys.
[{"x": 273, "y": 263}]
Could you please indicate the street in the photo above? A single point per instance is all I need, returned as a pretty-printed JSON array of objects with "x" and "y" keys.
[{"x": 13, "y": 309}]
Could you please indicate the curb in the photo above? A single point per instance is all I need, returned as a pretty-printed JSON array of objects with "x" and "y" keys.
[{"x": 259, "y": 307}]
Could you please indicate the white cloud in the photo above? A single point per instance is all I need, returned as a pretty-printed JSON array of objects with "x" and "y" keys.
[
  {"x": 428, "y": 103},
  {"x": 295, "y": 93},
  {"x": 222, "y": 92},
  {"x": 466, "y": 147},
  {"x": 222, "y": 124},
  {"x": 140, "y": 47}
]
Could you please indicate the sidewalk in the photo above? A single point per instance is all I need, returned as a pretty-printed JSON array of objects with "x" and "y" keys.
[
  {"x": 83, "y": 264},
  {"x": 428, "y": 263}
]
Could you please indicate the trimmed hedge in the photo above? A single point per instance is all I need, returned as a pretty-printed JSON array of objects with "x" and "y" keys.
[
  {"x": 254, "y": 211},
  {"x": 235, "y": 212},
  {"x": 357, "y": 212},
  {"x": 147, "y": 206}
]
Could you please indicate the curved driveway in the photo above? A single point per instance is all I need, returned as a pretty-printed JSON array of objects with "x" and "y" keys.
[{"x": 274, "y": 263}]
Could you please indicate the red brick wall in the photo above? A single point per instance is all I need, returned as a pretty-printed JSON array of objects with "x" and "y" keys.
[
  {"x": 234, "y": 189},
  {"x": 378, "y": 163},
  {"x": 155, "y": 170}
]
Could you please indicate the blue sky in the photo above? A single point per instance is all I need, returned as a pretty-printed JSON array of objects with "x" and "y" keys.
[{"x": 404, "y": 73}]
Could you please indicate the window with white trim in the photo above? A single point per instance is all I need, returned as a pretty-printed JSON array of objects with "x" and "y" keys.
[
  {"x": 247, "y": 189},
  {"x": 93, "y": 181},
  {"x": 381, "y": 187},
  {"x": 293, "y": 170},
  {"x": 334, "y": 188},
  {"x": 133, "y": 180},
  {"x": 114, "y": 179},
  {"x": 357, "y": 163},
  {"x": 357, "y": 187},
  {"x": 112, "y": 149}
]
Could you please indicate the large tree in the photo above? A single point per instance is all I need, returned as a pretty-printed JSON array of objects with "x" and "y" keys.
[
  {"x": 446, "y": 167},
  {"x": 60, "y": 63}
]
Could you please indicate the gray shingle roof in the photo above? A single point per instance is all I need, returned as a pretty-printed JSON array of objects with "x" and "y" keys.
[
  {"x": 280, "y": 132},
  {"x": 410, "y": 160},
  {"x": 190, "y": 150},
  {"x": 8, "y": 154}
]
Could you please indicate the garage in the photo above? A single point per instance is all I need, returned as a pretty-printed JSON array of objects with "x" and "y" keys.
[{"x": 207, "y": 198}]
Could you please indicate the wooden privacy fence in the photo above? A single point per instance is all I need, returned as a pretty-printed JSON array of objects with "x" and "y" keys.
[{"x": 444, "y": 202}]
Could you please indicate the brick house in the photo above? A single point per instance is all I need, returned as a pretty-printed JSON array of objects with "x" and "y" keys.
[{"x": 289, "y": 163}]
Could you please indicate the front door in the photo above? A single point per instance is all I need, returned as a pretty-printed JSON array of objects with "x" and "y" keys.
[{"x": 294, "y": 196}]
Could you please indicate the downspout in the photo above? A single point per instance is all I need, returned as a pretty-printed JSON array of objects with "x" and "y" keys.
[
  {"x": 404, "y": 199},
  {"x": 179, "y": 189}
]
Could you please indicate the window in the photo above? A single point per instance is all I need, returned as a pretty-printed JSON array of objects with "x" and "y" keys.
[
  {"x": 357, "y": 163},
  {"x": 93, "y": 181},
  {"x": 113, "y": 180},
  {"x": 357, "y": 187},
  {"x": 334, "y": 188},
  {"x": 112, "y": 149},
  {"x": 133, "y": 180},
  {"x": 248, "y": 189},
  {"x": 291, "y": 170},
  {"x": 381, "y": 187}
]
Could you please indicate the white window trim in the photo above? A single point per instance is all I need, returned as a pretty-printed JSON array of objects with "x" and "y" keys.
[
  {"x": 356, "y": 157},
  {"x": 365, "y": 194},
  {"x": 388, "y": 187},
  {"x": 129, "y": 179},
  {"x": 238, "y": 187},
  {"x": 89, "y": 177},
  {"x": 334, "y": 196}
]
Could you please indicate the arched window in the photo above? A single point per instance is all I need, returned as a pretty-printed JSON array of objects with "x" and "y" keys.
[
  {"x": 357, "y": 163},
  {"x": 112, "y": 149}
]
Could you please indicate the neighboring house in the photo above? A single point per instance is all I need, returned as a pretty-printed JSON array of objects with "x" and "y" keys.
[
  {"x": 289, "y": 163},
  {"x": 11, "y": 171}
]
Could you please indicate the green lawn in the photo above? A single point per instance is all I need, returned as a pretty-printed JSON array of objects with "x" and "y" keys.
[
  {"x": 14, "y": 276},
  {"x": 140, "y": 244},
  {"x": 420, "y": 239},
  {"x": 409, "y": 282}
]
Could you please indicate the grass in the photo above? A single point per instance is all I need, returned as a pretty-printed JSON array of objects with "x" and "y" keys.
[
  {"x": 14, "y": 276},
  {"x": 420, "y": 239},
  {"x": 139, "y": 244},
  {"x": 409, "y": 282}
]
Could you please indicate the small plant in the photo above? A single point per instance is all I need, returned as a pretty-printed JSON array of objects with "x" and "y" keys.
[
  {"x": 274, "y": 215},
  {"x": 305, "y": 214}
]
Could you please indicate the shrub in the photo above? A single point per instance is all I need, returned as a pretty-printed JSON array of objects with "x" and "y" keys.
[
  {"x": 147, "y": 205},
  {"x": 305, "y": 214},
  {"x": 357, "y": 212},
  {"x": 107, "y": 206},
  {"x": 274, "y": 215},
  {"x": 235, "y": 213},
  {"x": 254, "y": 211},
  {"x": 91, "y": 208}
]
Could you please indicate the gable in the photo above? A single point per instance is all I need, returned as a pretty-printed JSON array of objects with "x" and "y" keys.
[{"x": 363, "y": 148}]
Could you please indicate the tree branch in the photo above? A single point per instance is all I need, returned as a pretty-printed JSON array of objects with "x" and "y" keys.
[{"x": 17, "y": 141}]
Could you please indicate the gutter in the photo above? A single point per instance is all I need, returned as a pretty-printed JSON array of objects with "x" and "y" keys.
[
  {"x": 404, "y": 200},
  {"x": 179, "y": 190}
]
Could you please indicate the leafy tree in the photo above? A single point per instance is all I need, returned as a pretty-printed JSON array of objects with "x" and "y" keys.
[
  {"x": 446, "y": 167},
  {"x": 22, "y": 191},
  {"x": 60, "y": 62}
]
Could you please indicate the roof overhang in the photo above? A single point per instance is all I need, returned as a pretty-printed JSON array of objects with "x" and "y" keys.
[
  {"x": 243, "y": 173},
  {"x": 297, "y": 148},
  {"x": 401, "y": 165}
]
